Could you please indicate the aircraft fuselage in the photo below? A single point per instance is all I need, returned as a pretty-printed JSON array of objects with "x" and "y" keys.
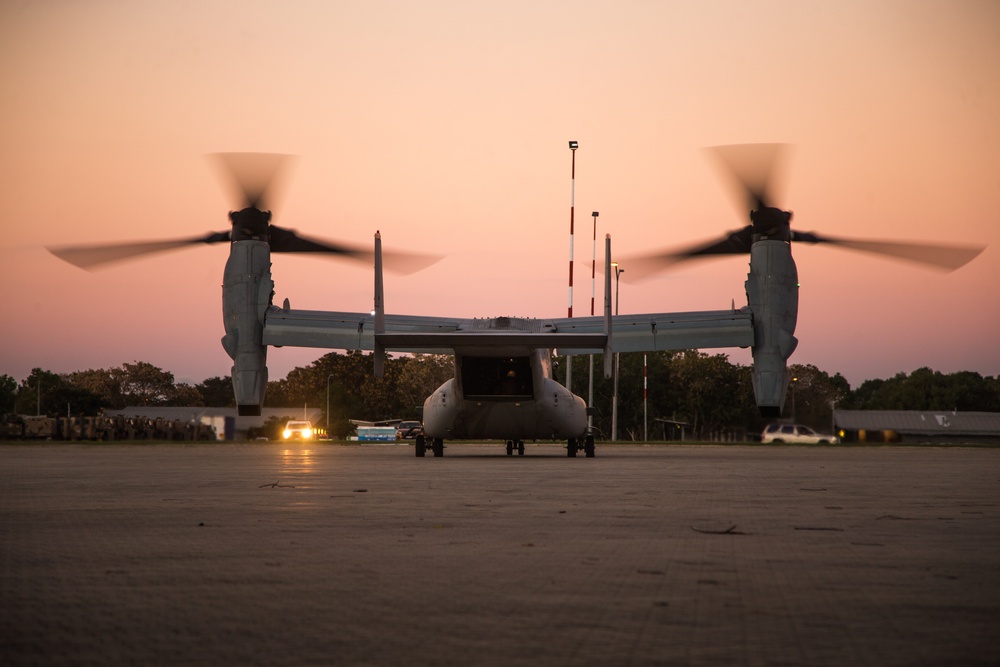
[{"x": 504, "y": 396}]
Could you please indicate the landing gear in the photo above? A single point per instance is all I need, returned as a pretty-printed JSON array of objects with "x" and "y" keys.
[
  {"x": 511, "y": 446},
  {"x": 437, "y": 446},
  {"x": 572, "y": 447}
]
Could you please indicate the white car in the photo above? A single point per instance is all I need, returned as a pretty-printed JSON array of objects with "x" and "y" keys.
[
  {"x": 796, "y": 433},
  {"x": 298, "y": 430}
]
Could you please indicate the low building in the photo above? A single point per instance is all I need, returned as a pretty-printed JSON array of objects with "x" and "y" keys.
[{"x": 917, "y": 426}]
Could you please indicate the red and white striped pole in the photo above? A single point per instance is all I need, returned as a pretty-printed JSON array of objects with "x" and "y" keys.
[
  {"x": 573, "y": 145},
  {"x": 572, "y": 203},
  {"x": 593, "y": 290},
  {"x": 593, "y": 267}
]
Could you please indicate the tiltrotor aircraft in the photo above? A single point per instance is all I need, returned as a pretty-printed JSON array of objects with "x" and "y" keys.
[{"x": 503, "y": 386}]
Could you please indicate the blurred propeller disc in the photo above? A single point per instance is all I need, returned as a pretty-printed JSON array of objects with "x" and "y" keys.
[
  {"x": 753, "y": 170},
  {"x": 255, "y": 179}
]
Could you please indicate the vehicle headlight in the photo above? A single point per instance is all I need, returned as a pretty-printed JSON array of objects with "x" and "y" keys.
[
  {"x": 307, "y": 433},
  {"x": 287, "y": 434}
]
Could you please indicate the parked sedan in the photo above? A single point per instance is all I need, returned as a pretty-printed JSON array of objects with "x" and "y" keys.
[
  {"x": 796, "y": 433},
  {"x": 409, "y": 430}
]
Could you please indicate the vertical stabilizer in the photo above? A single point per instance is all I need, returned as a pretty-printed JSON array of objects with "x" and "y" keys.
[
  {"x": 379, "y": 353},
  {"x": 607, "y": 307}
]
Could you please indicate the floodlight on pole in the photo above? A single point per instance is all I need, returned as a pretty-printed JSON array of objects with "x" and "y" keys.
[
  {"x": 792, "y": 385},
  {"x": 573, "y": 145}
]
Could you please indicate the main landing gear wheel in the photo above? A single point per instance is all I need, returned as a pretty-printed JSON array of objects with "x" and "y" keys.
[
  {"x": 588, "y": 447},
  {"x": 511, "y": 446},
  {"x": 571, "y": 448},
  {"x": 438, "y": 447},
  {"x": 421, "y": 446}
]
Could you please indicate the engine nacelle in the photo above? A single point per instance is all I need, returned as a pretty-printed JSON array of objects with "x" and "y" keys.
[
  {"x": 773, "y": 295},
  {"x": 247, "y": 290}
]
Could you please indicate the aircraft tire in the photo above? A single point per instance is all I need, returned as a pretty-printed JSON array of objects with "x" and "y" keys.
[
  {"x": 421, "y": 446},
  {"x": 438, "y": 447},
  {"x": 571, "y": 448},
  {"x": 520, "y": 447},
  {"x": 510, "y": 448},
  {"x": 588, "y": 447}
]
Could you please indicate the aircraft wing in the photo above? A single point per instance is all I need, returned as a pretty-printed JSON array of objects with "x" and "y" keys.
[
  {"x": 346, "y": 331},
  {"x": 584, "y": 335},
  {"x": 667, "y": 331}
]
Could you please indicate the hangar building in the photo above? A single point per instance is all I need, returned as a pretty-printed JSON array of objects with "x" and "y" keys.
[{"x": 917, "y": 426}]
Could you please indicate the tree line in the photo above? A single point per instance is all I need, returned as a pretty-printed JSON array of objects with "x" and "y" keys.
[{"x": 706, "y": 394}]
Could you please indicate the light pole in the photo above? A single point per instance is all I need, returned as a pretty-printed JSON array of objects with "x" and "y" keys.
[
  {"x": 614, "y": 397},
  {"x": 794, "y": 380},
  {"x": 645, "y": 413},
  {"x": 328, "y": 378},
  {"x": 573, "y": 145},
  {"x": 593, "y": 291}
]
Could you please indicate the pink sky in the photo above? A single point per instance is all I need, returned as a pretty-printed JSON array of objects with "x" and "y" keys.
[{"x": 445, "y": 126}]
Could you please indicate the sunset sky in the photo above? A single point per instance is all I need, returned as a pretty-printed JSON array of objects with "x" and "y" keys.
[{"x": 444, "y": 124}]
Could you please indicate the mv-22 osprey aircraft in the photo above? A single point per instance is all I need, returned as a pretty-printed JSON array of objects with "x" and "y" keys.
[{"x": 503, "y": 386}]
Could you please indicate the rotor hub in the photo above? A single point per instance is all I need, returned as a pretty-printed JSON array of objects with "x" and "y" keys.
[
  {"x": 771, "y": 223},
  {"x": 250, "y": 224}
]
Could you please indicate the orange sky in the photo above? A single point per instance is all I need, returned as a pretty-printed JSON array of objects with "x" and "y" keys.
[{"x": 445, "y": 125}]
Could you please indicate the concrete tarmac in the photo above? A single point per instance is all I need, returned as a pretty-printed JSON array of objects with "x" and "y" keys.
[{"x": 269, "y": 554}]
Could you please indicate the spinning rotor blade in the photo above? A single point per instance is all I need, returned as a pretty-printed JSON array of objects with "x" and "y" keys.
[
  {"x": 754, "y": 170},
  {"x": 734, "y": 243},
  {"x": 94, "y": 256},
  {"x": 406, "y": 263},
  {"x": 944, "y": 257},
  {"x": 287, "y": 240},
  {"x": 254, "y": 177}
]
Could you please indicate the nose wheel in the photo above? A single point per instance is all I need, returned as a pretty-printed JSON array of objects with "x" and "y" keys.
[
  {"x": 573, "y": 446},
  {"x": 437, "y": 446}
]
